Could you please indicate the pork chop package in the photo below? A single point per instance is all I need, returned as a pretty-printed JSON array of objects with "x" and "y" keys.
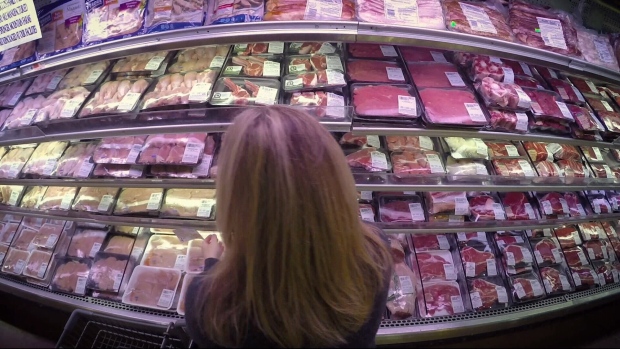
[
  {"x": 518, "y": 206},
  {"x": 374, "y": 71},
  {"x": 408, "y": 163},
  {"x": 567, "y": 91},
  {"x": 152, "y": 287},
  {"x": 386, "y": 102},
  {"x": 14, "y": 160},
  {"x": 553, "y": 205},
  {"x": 85, "y": 75},
  {"x": 447, "y": 107},
  {"x": 95, "y": 199},
  {"x": 599, "y": 204},
  {"x": 584, "y": 277},
  {"x": 173, "y": 149},
  {"x": 422, "y": 54},
  {"x": 18, "y": 56},
  {"x": 201, "y": 170},
  {"x": 199, "y": 59},
  {"x": 477, "y": 18},
  {"x": 596, "y": 48},
  {"x": 466, "y": 148},
  {"x": 526, "y": 287},
  {"x": 44, "y": 159},
  {"x": 586, "y": 121},
  {"x": 434, "y": 74},
  {"x": 313, "y": 80},
  {"x": 442, "y": 298},
  {"x": 62, "y": 104},
  {"x": 115, "y": 97},
  {"x": 485, "y": 207},
  {"x": 139, "y": 201},
  {"x": 255, "y": 66},
  {"x": 47, "y": 82},
  {"x": 189, "y": 203},
  {"x": 508, "y": 121},
  {"x": 430, "y": 242},
  {"x": 61, "y": 27},
  {"x": 306, "y": 63},
  {"x": 323, "y": 103},
  {"x": 591, "y": 231},
  {"x": 478, "y": 259},
  {"x": 405, "y": 209},
  {"x": 368, "y": 160},
  {"x": 488, "y": 293},
  {"x": 106, "y": 272},
  {"x": 71, "y": 276},
  {"x": 547, "y": 105},
  {"x": 547, "y": 251},
  {"x": 118, "y": 150},
  {"x": 568, "y": 236},
  {"x": 57, "y": 198},
  {"x": 452, "y": 203},
  {"x": 249, "y": 91},
  {"x": 165, "y": 15},
  {"x": 75, "y": 162},
  {"x": 165, "y": 251},
  {"x": 423, "y": 13},
  {"x": 518, "y": 167},
  {"x": 556, "y": 279},
  {"x": 606, "y": 272},
  {"x": 107, "y": 21},
  {"x": 143, "y": 63}
]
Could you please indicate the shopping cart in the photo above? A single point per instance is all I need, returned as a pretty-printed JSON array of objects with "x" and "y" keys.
[{"x": 90, "y": 330}]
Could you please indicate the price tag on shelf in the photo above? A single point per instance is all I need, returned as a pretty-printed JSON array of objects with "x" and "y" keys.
[
  {"x": 455, "y": 79},
  {"x": 128, "y": 102},
  {"x": 200, "y": 92},
  {"x": 395, "y": 74},
  {"x": 509, "y": 75},
  {"x": 154, "y": 63},
  {"x": 406, "y": 285},
  {"x": 80, "y": 285},
  {"x": 476, "y": 301},
  {"x": 266, "y": 95},
  {"x": 407, "y": 105},
  {"x": 205, "y": 208},
  {"x": 526, "y": 69},
  {"x": 94, "y": 249},
  {"x": 154, "y": 201},
  {"x": 165, "y": 299},
  {"x": 276, "y": 47},
  {"x": 271, "y": 69},
  {"x": 438, "y": 57},
  {"x": 417, "y": 214},
  {"x": 378, "y": 160},
  {"x": 105, "y": 203},
  {"x": 475, "y": 112},
  {"x": 388, "y": 51},
  {"x": 217, "y": 62}
]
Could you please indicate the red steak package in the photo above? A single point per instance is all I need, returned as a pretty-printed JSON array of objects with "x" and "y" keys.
[
  {"x": 508, "y": 121},
  {"x": 454, "y": 203},
  {"x": 517, "y": 206},
  {"x": 607, "y": 273},
  {"x": 548, "y": 169},
  {"x": 428, "y": 242},
  {"x": 477, "y": 18},
  {"x": 572, "y": 168},
  {"x": 374, "y": 71},
  {"x": 538, "y": 151},
  {"x": 564, "y": 151},
  {"x": 369, "y": 160},
  {"x": 575, "y": 256},
  {"x": 436, "y": 265},
  {"x": 592, "y": 231},
  {"x": 421, "y": 54},
  {"x": 401, "y": 209},
  {"x": 599, "y": 204},
  {"x": 452, "y": 107},
  {"x": 441, "y": 298},
  {"x": 503, "y": 95},
  {"x": 575, "y": 204},
  {"x": 526, "y": 287},
  {"x": 584, "y": 119},
  {"x": 584, "y": 277},
  {"x": 547, "y": 104},
  {"x": 432, "y": 74},
  {"x": 513, "y": 168},
  {"x": 555, "y": 280},
  {"x": 503, "y": 240},
  {"x": 583, "y": 85},
  {"x": 599, "y": 104},
  {"x": 597, "y": 249},
  {"x": 478, "y": 259},
  {"x": 349, "y": 139},
  {"x": 567, "y": 92},
  {"x": 553, "y": 204},
  {"x": 592, "y": 154},
  {"x": 503, "y": 149},
  {"x": 487, "y": 293},
  {"x": 485, "y": 207},
  {"x": 391, "y": 101},
  {"x": 603, "y": 171},
  {"x": 611, "y": 121},
  {"x": 417, "y": 162},
  {"x": 547, "y": 251}
]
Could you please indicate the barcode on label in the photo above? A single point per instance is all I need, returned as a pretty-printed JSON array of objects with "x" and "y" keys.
[
  {"x": 200, "y": 92},
  {"x": 271, "y": 69},
  {"x": 154, "y": 201},
  {"x": 180, "y": 262},
  {"x": 378, "y": 160},
  {"x": 461, "y": 206},
  {"x": 367, "y": 214},
  {"x": 435, "y": 163},
  {"x": 205, "y": 208},
  {"x": 192, "y": 152},
  {"x": 165, "y": 299},
  {"x": 94, "y": 249},
  {"x": 80, "y": 285},
  {"x": 51, "y": 241},
  {"x": 407, "y": 105},
  {"x": 475, "y": 113}
]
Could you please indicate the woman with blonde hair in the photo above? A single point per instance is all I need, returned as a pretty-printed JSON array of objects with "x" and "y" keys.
[{"x": 300, "y": 268}]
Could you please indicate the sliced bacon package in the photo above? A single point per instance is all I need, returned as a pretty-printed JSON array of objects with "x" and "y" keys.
[
  {"x": 556, "y": 280},
  {"x": 488, "y": 293},
  {"x": 526, "y": 287},
  {"x": 568, "y": 236}
]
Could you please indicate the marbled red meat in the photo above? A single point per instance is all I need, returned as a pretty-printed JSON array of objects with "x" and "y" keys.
[
  {"x": 438, "y": 298},
  {"x": 575, "y": 257},
  {"x": 482, "y": 208},
  {"x": 487, "y": 291},
  {"x": 568, "y": 236},
  {"x": 517, "y": 207},
  {"x": 545, "y": 248},
  {"x": 432, "y": 266},
  {"x": 426, "y": 242},
  {"x": 472, "y": 255}
]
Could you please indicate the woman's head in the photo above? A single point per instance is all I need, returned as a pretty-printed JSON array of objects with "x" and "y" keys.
[{"x": 299, "y": 262}]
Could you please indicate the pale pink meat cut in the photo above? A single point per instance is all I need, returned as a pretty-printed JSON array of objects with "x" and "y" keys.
[
  {"x": 378, "y": 100},
  {"x": 447, "y": 106}
]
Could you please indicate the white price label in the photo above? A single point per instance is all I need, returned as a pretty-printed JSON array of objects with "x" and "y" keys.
[
  {"x": 449, "y": 271},
  {"x": 271, "y": 69},
  {"x": 502, "y": 295},
  {"x": 524, "y": 100},
  {"x": 495, "y": 60},
  {"x": 128, "y": 102},
  {"x": 69, "y": 108},
  {"x": 13, "y": 101},
  {"x": 595, "y": 277},
  {"x": 510, "y": 259},
  {"x": 605, "y": 253},
  {"x": 165, "y": 299},
  {"x": 455, "y": 79},
  {"x": 51, "y": 240},
  {"x": 94, "y": 249},
  {"x": 14, "y": 169},
  {"x": 179, "y": 263},
  {"x": 565, "y": 112},
  {"x": 335, "y": 104},
  {"x": 205, "y": 208},
  {"x": 417, "y": 214},
  {"x": 509, "y": 75},
  {"x": 601, "y": 279},
  {"x": 498, "y": 212},
  {"x": 481, "y": 147},
  {"x": 476, "y": 301},
  {"x": 388, "y": 51},
  {"x": 276, "y": 47},
  {"x": 562, "y": 93},
  {"x": 266, "y": 95},
  {"x": 557, "y": 255},
  {"x": 548, "y": 286},
  {"x": 477, "y": 18},
  {"x": 564, "y": 282},
  {"x": 366, "y": 195},
  {"x": 475, "y": 112},
  {"x": 470, "y": 269},
  {"x": 530, "y": 211},
  {"x": 597, "y": 154},
  {"x": 154, "y": 63},
  {"x": 93, "y": 76},
  {"x": 42, "y": 270},
  {"x": 80, "y": 285},
  {"x": 527, "y": 256},
  {"x": 614, "y": 273},
  {"x": 461, "y": 236},
  {"x": 607, "y": 106},
  {"x": 65, "y": 203},
  {"x": 105, "y": 203},
  {"x": 491, "y": 267},
  {"x": 591, "y": 86},
  {"x": 522, "y": 121},
  {"x": 536, "y": 109},
  {"x": 154, "y": 201},
  {"x": 118, "y": 277},
  {"x": 481, "y": 169},
  {"x": 564, "y": 204},
  {"x": 608, "y": 172},
  {"x": 200, "y": 92},
  {"x": 406, "y": 285},
  {"x": 334, "y": 63},
  {"x": 582, "y": 258},
  {"x": 326, "y": 47},
  {"x": 438, "y": 57},
  {"x": 49, "y": 167},
  {"x": 547, "y": 208},
  {"x": 26, "y": 119},
  {"x": 335, "y": 78},
  {"x": 526, "y": 69},
  {"x": 461, "y": 206},
  {"x": 133, "y": 154},
  {"x": 538, "y": 256},
  {"x": 85, "y": 169},
  {"x": 602, "y": 48},
  {"x": 434, "y": 163},
  {"x": 482, "y": 236},
  {"x": 373, "y": 141},
  {"x": 192, "y": 152},
  {"x": 395, "y": 74},
  {"x": 202, "y": 169},
  {"x": 578, "y": 94},
  {"x": 527, "y": 169},
  {"x": 519, "y": 290},
  {"x": 51, "y": 86},
  {"x": 426, "y": 142},
  {"x": 217, "y": 62},
  {"x": 511, "y": 150},
  {"x": 367, "y": 214},
  {"x": 547, "y": 232},
  {"x": 407, "y": 105},
  {"x": 378, "y": 160},
  {"x": 577, "y": 279},
  {"x": 14, "y": 196},
  {"x": 538, "y": 291},
  {"x": 443, "y": 242}
]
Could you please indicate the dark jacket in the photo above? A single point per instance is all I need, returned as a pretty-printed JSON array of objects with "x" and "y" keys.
[{"x": 364, "y": 338}]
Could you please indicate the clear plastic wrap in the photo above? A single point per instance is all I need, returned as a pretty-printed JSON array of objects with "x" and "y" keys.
[
  {"x": 467, "y": 148},
  {"x": 15, "y": 261},
  {"x": 596, "y": 249},
  {"x": 401, "y": 292},
  {"x": 596, "y": 48},
  {"x": 250, "y": 91},
  {"x": 138, "y": 200},
  {"x": 162, "y": 15},
  {"x": 526, "y": 287},
  {"x": 95, "y": 199},
  {"x": 556, "y": 280},
  {"x": 173, "y": 149},
  {"x": 485, "y": 66},
  {"x": 433, "y": 74},
  {"x": 201, "y": 170},
  {"x": 375, "y": 71},
  {"x": 47, "y": 235},
  {"x": 118, "y": 150},
  {"x": 553, "y": 204},
  {"x": 141, "y": 63},
  {"x": 75, "y": 162},
  {"x": 10, "y": 194},
  {"x": 477, "y": 18},
  {"x": 436, "y": 266},
  {"x": 71, "y": 276},
  {"x": 32, "y": 197},
  {"x": 63, "y": 104},
  {"x": 592, "y": 154},
  {"x": 478, "y": 259},
  {"x": 389, "y": 101},
  {"x": 422, "y": 13},
  {"x": 504, "y": 149},
  {"x": 584, "y": 277},
  {"x": 452, "y": 107},
  {"x": 508, "y": 121},
  {"x": 14, "y": 160},
  {"x": 547, "y": 104},
  {"x": 13, "y": 92},
  {"x": 453, "y": 203},
  {"x": 571, "y": 168},
  {"x": 401, "y": 209},
  {"x": 256, "y": 66},
  {"x": 527, "y": 81},
  {"x": 18, "y": 55},
  {"x": 189, "y": 203},
  {"x": 118, "y": 171},
  {"x": 488, "y": 293},
  {"x": 86, "y": 243},
  {"x": 396, "y": 143},
  {"x": 179, "y": 89},
  {"x": 24, "y": 112},
  {"x": 225, "y": 12},
  {"x": 517, "y": 206},
  {"x": 57, "y": 198},
  {"x": 465, "y": 167},
  {"x": 113, "y": 20},
  {"x": 115, "y": 97},
  {"x": 369, "y": 160},
  {"x": 44, "y": 159},
  {"x": 547, "y": 251},
  {"x": 294, "y": 10},
  {"x": 199, "y": 59},
  {"x": 152, "y": 287},
  {"x": 567, "y": 92},
  {"x": 548, "y": 169},
  {"x": 485, "y": 207},
  {"x": 314, "y": 80},
  {"x": 417, "y": 162},
  {"x": 37, "y": 264},
  {"x": 119, "y": 244},
  {"x": 331, "y": 105},
  {"x": 165, "y": 251},
  {"x": 564, "y": 151},
  {"x": 84, "y": 75},
  {"x": 442, "y": 298},
  {"x": 502, "y": 95},
  {"x": 61, "y": 27},
  {"x": 106, "y": 272},
  {"x": 47, "y": 82},
  {"x": 585, "y": 119}
]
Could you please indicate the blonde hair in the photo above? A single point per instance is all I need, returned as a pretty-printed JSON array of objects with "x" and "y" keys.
[{"x": 299, "y": 266}]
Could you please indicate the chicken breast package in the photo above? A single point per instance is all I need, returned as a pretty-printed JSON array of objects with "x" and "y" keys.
[
  {"x": 76, "y": 161},
  {"x": 85, "y": 243},
  {"x": 452, "y": 107},
  {"x": 115, "y": 97},
  {"x": 199, "y": 59},
  {"x": 32, "y": 197},
  {"x": 71, "y": 276},
  {"x": 113, "y": 20},
  {"x": 403, "y": 209},
  {"x": 85, "y": 75},
  {"x": 18, "y": 56},
  {"x": 44, "y": 159},
  {"x": 422, "y": 13},
  {"x": 434, "y": 74},
  {"x": 152, "y": 287},
  {"x": 118, "y": 171},
  {"x": 57, "y": 198},
  {"x": 165, "y": 251},
  {"x": 106, "y": 272},
  {"x": 24, "y": 112},
  {"x": 481, "y": 19},
  {"x": 392, "y": 102},
  {"x": 294, "y": 10},
  {"x": 224, "y": 12},
  {"x": 180, "y": 89},
  {"x": 47, "y": 82},
  {"x": 63, "y": 104},
  {"x": 95, "y": 199},
  {"x": 503, "y": 95},
  {"x": 15, "y": 261},
  {"x": 10, "y": 195},
  {"x": 142, "y": 63},
  {"x": 119, "y": 244},
  {"x": 15, "y": 159},
  {"x": 488, "y": 293},
  {"x": 308, "y": 63},
  {"x": 37, "y": 264},
  {"x": 322, "y": 103},
  {"x": 250, "y": 91},
  {"x": 189, "y": 203},
  {"x": 173, "y": 149},
  {"x": 374, "y": 71},
  {"x": 138, "y": 201},
  {"x": 61, "y": 27},
  {"x": 165, "y": 15},
  {"x": 312, "y": 80},
  {"x": 118, "y": 150}
]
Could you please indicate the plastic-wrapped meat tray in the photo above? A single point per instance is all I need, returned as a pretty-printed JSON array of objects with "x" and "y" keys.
[
  {"x": 254, "y": 66},
  {"x": 568, "y": 236},
  {"x": 303, "y": 63},
  {"x": 199, "y": 58},
  {"x": 596, "y": 249},
  {"x": 355, "y": 141},
  {"x": 547, "y": 251},
  {"x": 118, "y": 171},
  {"x": 165, "y": 251},
  {"x": 429, "y": 242},
  {"x": 372, "y": 71},
  {"x": 485, "y": 207},
  {"x": 391, "y": 102},
  {"x": 606, "y": 272},
  {"x": 567, "y": 92},
  {"x": 152, "y": 287},
  {"x": 115, "y": 97},
  {"x": 372, "y": 51},
  {"x": 71, "y": 276},
  {"x": 86, "y": 243},
  {"x": 465, "y": 167},
  {"x": 138, "y": 201},
  {"x": 526, "y": 287},
  {"x": 47, "y": 82},
  {"x": 442, "y": 298},
  {"x": 503, "y": 95},
  {"x": 47, "y": 235},
  {"x": 399, "y": 143},
  {"x": 95, "y": 199},
  {"x": 508, "y": 121},
  {"x": 476, "y": 18},
  {"x": 484, "y": 66},
  {"x": 180, "y": 89},
  {"x": 478, "y": 259},
  {"x": 436, "y": 265},
  {"x": 173, "y": 149},
  {"x": 14, "y": 160},
  {"x": 401, "y": 209},
  {"x": 428, "y": 13},
  {"x": 366, "y": 212},
  {"x": 591, "y": 231},
  {"x": 312, "y": 80},
  {"x": 611, "y": 121},
  {"x": 309, "y": 47},
  {"x": 44, "y": 158},
  {"x": 84, "y": 75},
  {"x": 369, "y": 160},
  {"x": 517, "y": 206},
  {"x": 24, "y": 112},
  {"x": 575, "y": 256},
  {"x": 453, "y": 203},
  {"x": 432, "y": 74},
  {"x": 421, "y": 54},
  {"x": 571, "y": 168},
  {"x": 488, "y": 293},
  {"x": 555, "y": 280},
  {"x": 513, "y": 168},
  {"x": 603, "y": 171},
  {"x": 592, "y": 154},
  {"x": 249, "y": 91},
  {"x": 584, "y": 119},
  {"x": 452, "y": 107},
  {"x": 417, "y": 163},
  {"x": 189, "y": 203},
  {"x": 575, "y": 204},
  {"x": 519, "y": 68},
  {"x": 57, "y": 198},
  {"x": 600, "y": 104},
  {"x": 141, "y": 63},
  {"x": 547, "y": 169},
  {"x": 322, "y": 103},
  {"x": 62, "y": 104},
  {"x": 553, "y": 204},
  {"x": 584, "y": 277},
  {"x": 547, "y": 104},
  {"x": 402, "y": 292},
  {"x": 118, "y": 150},
  {"x": 15, "y": 261},
  {"x": 106, "y": 272},
  {"x": 75, "y": 162},
  {"x": 599, "y": 204}
]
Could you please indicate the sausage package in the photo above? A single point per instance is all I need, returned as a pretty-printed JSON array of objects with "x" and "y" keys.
[{"x": 61, "y": 27}]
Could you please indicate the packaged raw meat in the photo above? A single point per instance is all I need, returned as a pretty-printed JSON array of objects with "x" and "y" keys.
[
  {"x": 538, "y": 151},
  {"x": 603, "y": 171},
  {"x": 567, "y": 92},
  {"x": 526, "y": 287},
  {"x": 575, "y": 204},
  {"x": 600, "y": 104},
  {"x": 436, "y": 265},
  {"x": 24, "y": 112},
  {"x": 553, "y": 204},
  {"x": 398, "y": 143},
  {"x": 373, "y": 71},
  {"x": 37, "y": 264},
  {"x": 305, "y": 48},
  {"x": 610, "y": 120},
  {"x": 259, "y": 49},
  {"x": 199, "y": 59},
  {"x": 71, "y": 276},
  {"x": 433, "y": 74},
  {"x": 43, "y": 160},
  {"x": 485, "y": 207},
  {"x": 591, "y": 231},
  {"x": 95, "y": 199},
  {"x": 422, "y": 54},
  {"x": 86, "y": 243},
  {"x": 111, "y": 21},
  {"x": 538, "y": 27},
  {"x": 118, "y": 171},
  {"x": 547, "y": 104},
  {"x": 369, "y": 160},
  {"x": 11, "y": 194},
  {"x": 508, "y": 121},
  {"x": 195, "y": 257},
  {"x": 487, "y": 293},
  {"x": 478, "y": 259},
  {"x": 555, "y": 280},
  {"x": 118, "y": 150},
  {"x": 417, "y": 162},
  {"x": 303, "y": 63},
  {"x": 572, "y": 168},
  {"x": 584, "y": 119},
  {"x": 165, "y": 251},
  {"x": 115, "y": 97},
  {"x": 18, "y": 56},
  {"x": 513, "y": 167},
  {"x": 278, "y": 10},
  {"x": 442, "y": 298},
  {"x": 593, "y": 154},
  {"x": 224, "y": 12},
  {"x": 606, "y": 272},
  {"x": 503, "y": 149},
  {"x": 548, "y": 169},
  {"x": 467, "y": 148},
  {"x": 314, "y": 80},
  {"x": 385, "y": 101},
  {"x": 47, "y": 82},
  {"x": 173, "y": 149},
  {"x": 510, "y": 238},
  {"x": 61, "y": 27},
  {"x": 32, "y": 197},
  {"x": 454, "y": 203},
  {"x": 187, "y": 280},
  {"x": 152, "y": 287},
  {"x": 47, "y": 235},
  {"x": 106, "y": 272},
  {"x": 584, "y": 277},
  {"x": 75, "y": 162},
  {"x": 610, "y": 229},
  {"x": 201, "y": 170},
  {"x": 422, "y": 13},
  {"x": 477, "y": 18},
  {"x": 138, "y": 200},
  {"x": 12, "y": 163},
  {"x": 15, "y": 261},
  {"x": 165, "y": 15},
  {"x": 452, "y": 107},
  {"x": 596, "y": 48},
  {"x": 348, "y": 139},
  {"x": 57, "y": 198},
  {"x": 599, "y": 204},
  {"x": 465, "y": 167},
  {"x": 517, "y": 206},
  {"x": 255, "y": 66},
  {"x": 503, "y": 95},
  {"x": 429, "y": 242},
  {"x": 372, "y": 51},
  {"x": 13, "y": 92},
  {"x": 84, "y": 75},
  {"x": 596, "y": 249},
  {"x": 614, "y": 200},
  {"x": 142, "y": 63},
  {"x": 189, "y": 203},
  {"x": 238, "y": 91},
  {"x": 584, "y": 85},
  {"x": 547, "y": 251},
  {"x": 402, "y": 292},
  {"x": 564, "y": 151},
  {"x": 485, "y": 66},
  {"x": 320, "y": 103},
  {"x": 62, "y": 104},
  {"x": 568, "y": 236},
  {"x": 575, "y": 256},
  {"x": 401, "y": 209},
  {"x": 119, "y": 244}
]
